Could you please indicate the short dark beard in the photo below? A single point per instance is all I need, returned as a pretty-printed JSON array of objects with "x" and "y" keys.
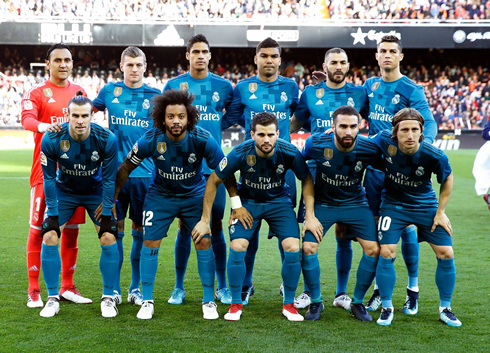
[{"x": 332, "y": 78}]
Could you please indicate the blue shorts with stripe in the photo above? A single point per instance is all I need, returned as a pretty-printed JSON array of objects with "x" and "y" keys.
[
  {"x": 132, "y": 196},
  {"x": 279, "y": 216},
  {"x": 68, "y": 203},
  {"x": 359, "y": 219},
  {"x": 392, "y": 222},
  {"x": 374, "y": 183}
]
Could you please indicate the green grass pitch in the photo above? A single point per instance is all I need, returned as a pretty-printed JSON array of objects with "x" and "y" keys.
[{"x": 262, "y": 328}]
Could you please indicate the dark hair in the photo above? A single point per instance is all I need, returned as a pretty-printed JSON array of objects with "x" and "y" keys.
[
  {"x": 407, "y": 114},
  {"x": 133, "y": 52},
  {"x": 198, "y": 38},
  {"x": 344, "y": 110},
  {"x": 335, "y": 51},
  {"x": 80, "y": 99},
  {"x": 264, "y": 119},
  {"x": 174, "y": 97},
  {"x": 57, "y": 46},
  {"x": 391, "y": 39},
  {"x": 268, "y": 43}
]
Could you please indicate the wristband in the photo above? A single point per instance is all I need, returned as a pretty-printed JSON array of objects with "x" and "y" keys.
[{"x": 235, "y": 202}]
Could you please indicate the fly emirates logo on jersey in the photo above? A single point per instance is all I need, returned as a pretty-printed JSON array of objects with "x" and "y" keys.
[
  {"x": 130, "y": 119},
  {"x": 263, "y": 183},
  {"x": 205, "y": 116},
  {"x": 380, "y": 114},
  {"x": 271, "y": 108},
  {"x": 79, "y": 170},
  {"x": 60, "y": 119},
  {"x": 177, "y": 173},
  {"x": 404, "y": 180}
]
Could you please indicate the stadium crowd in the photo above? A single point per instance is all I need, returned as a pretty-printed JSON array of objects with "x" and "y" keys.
[
  {"x": 459, "y": 96},
  {"x": 245, "y": 9}
]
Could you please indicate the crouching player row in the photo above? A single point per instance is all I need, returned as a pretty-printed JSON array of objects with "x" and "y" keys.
[{"x": 85, "y": 155}]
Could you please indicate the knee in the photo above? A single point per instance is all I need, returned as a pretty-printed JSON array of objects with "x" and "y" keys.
[
  {"x": 310, "y": 248},
  {"x": 239, "y": 245},
  {"x": 387, "y": 252},
  {"x": 290, "y": 245},
  {"x": 107, "y": 239},
  {"x": 372, "y": 249},
  {"x": 445, "y": 253},
  {"x": 204, "y": 244},
  {"x": 51, "y": 238}
]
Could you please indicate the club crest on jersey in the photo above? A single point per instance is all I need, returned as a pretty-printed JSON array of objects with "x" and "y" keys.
[
  {"x": 358, "y": 166},
  {"x": 252, "y": 87},
  {"x": 392, "y": 150},
  {"x": 223, "y": 163},
  {"x": 320, "y": 92},
  {"x": 184, "y": 86},
  {"x": 192, "y": 158},
  {"x": 162, "y": 147},
  {"x": 44, "y": 160},
  {"x": 146, "y": 104},
  {"x": 328, "y": 153},
  {"x": 27, "y": 105},
  {"x": 215, "y": 97},
  {"x": 350, "y": 102},
  {"x": 95, "y": 156},
  {"x": 375, "y": 86},
  {"x": 396, "y": 99},
  {"x": 118, "y": 91},
  {"x": 65, "y": 145},
  {"x": 284, "y": 97},
  {"x": 420, "y": 171},
  {"x": 251, "y": 160},
  {"x": 280, "y": 169},
  {"x": 48, "y": 92}
]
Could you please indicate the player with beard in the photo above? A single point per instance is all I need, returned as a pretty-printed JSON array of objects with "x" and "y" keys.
[
  {"x": 339, "y": 197},
  {"x": 316, "y": 105},
  {"x": 177, "y": 147}
]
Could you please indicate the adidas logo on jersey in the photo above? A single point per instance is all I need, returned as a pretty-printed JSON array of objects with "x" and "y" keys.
[
  {"x": 161, "y": 158},
  {"x": 327, "y": 164},
  {"x": 251, "y": 170},
  {"x": 319, "y": 102},
  {"x": 51, "y": 100},
  {"x": 389, "y": 160},
  {"x": 371, "y": 95},
  {"x": 253, "y": 96},
  {"x": 33, "y": 268},
  {"x": 64, "y": 156},
  {"x": 115, "y": 100}
]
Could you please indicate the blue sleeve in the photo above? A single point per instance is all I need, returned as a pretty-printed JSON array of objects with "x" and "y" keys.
[
  {"x": 486, "y": 131},
  {"x": 99, "y": 102},
  {"x": 419, "y": 102},
  {"x": 295, "y": 102},
  {"x": 376, "y": 139},
  {"x": 228, "y": 166},
  {"x": 141, "y": 148},
  {"x": 49, "y": 165},
  {"x": 302, "y": 112},
  {"x": 213, "y": 153},
  {"x": 109, "y": 171},
  {"x": 299, "y": 166},
  {"x": 443, "y": 169},
  {"x": 235, "y": 110},
  {"x": 308, "y": 149},
  {"x": 229, "y": 98},
  {"x": 364, "y": 111}
]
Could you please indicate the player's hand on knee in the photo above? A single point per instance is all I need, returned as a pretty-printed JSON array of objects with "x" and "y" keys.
[
  {"x": 243, "y": 216},
  {"x": 319, "y": 76},
  {"x": 98, "y": 212},
  {"x": 200, "y": 230},
  {"x": 51, "y": 224},
  {"x": 315, "y": 227},
  {"x": 107, "y": 225},
  {"x": 442, "y": 220}
]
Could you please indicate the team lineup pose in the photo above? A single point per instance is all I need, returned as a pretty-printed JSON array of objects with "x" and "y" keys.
[
  {"x": 263, "y": 162},
  {"x": 409, "y": 162},
  {"x": 265, "y": 92},
  {"x": 128, "y": 106},
  {"x": 86, "y": 155},
  {"x": 177, "y": 147},
  {"x": 341, "y": 159},
  {"x": 316, "y": 106},
  {"x": 44, "y": 108},
  {"x": 213, "y": 94}
]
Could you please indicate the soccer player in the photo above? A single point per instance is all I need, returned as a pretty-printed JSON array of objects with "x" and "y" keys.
[
  {"x": 317, "y": 104},
  {"x": 86, "y": 155},
  {"x": 339, "y": 197},
  {"x": 265, "y": 92},
  {"x": 177, "y": 147},
  {"x": 128, "y": 105},
  {"x": 387, "y": 95},
  {"x": 44, "y": 107},
  {"x": 263, "y": 163},
  {"x": 410, "y": 199},
  {"x": 213, "y": 95}
]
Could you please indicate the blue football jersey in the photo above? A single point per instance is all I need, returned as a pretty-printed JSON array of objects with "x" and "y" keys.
[
  {"x": 263, "y": 179},
  {"x": 317, "y": 104},
  {"x": 84, "y": 167},
  {"x": 388, "y": 98},
  {"x": 252, "y": 96},
  {"x": 338, "y": 179},
  {"x": 213, "y": 96},
  {"x": 408, "y": 183},
  {"x": 129, "y": 118},
  {"x": 178, "y": 165}
]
